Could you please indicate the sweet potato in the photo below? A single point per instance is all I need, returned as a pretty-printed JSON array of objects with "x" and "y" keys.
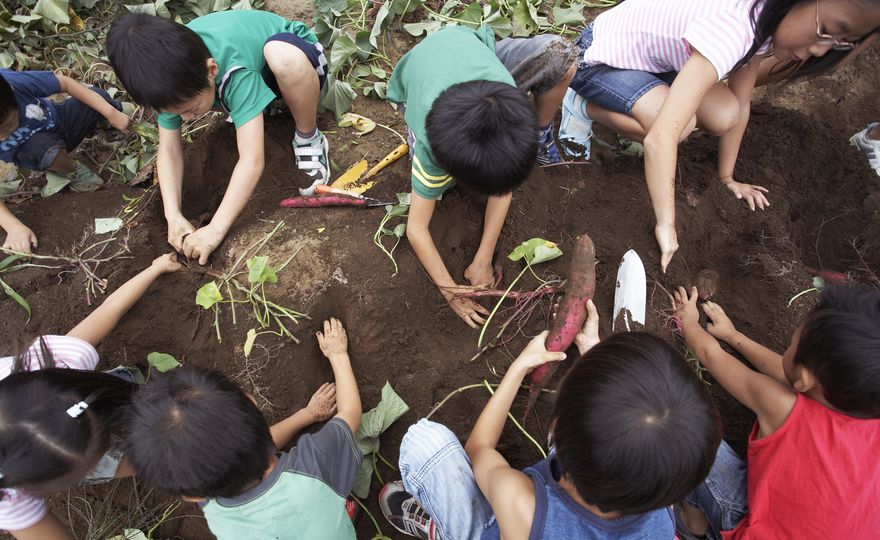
[
  {"x": 571, "y": 314},
  {"x": 320, "y": 201}
]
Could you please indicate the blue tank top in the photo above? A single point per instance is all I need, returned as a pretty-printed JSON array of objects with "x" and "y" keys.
[{"x": 558, "y": 516}]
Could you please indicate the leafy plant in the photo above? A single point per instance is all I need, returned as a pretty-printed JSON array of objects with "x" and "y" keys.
[
  {"x": 399, "y": 210},
  {"x": 162, "y": 362},
  {"x": 259, "y": 273},
  {"x": 373, "y": 423},
  {"x": 818, "y": 285}
]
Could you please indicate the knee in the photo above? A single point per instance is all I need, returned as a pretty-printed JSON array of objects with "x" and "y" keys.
[
  {"x": 724, "y": 117},
  {"x": 285, "y": 61},
  {"x": 422, "y": 441}
]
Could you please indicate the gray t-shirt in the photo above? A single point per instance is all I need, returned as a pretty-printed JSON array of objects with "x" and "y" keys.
[{"x": 302, "y": 498}]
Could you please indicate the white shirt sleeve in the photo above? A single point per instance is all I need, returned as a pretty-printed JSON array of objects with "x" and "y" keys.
[{"x": 20, "y": 511}]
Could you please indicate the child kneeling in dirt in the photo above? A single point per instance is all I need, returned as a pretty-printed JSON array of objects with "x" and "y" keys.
[
  {"x": 633, "y": 430},
  {"x": 42, "y": 449},
  {"x": 240, "y": 61},
  {"x": 812, "y": 457},
  {"x": 38, "y": 134},
  {"x": 470, "y": 119},
  {"x": 197, "y": 435}
]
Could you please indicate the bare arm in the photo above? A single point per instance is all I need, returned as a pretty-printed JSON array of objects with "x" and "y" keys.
[
  {"x": 48, "y": 528},
  {"x": 321, "y": 406},
  {"x": 661, "y": 146},
  {"x": 334, "y": 344},
  {"x": 19, "y": 237},
  {"x": 480, "y": 272},
  {"x": 94, "y": 100},
  {"x": 769, "y": 399},
  {"x": 245, "y": 177},
  {"x": 100, "y": 322},
  {"x": 509, "y": 491},
  {"x": 169, "y": 168}
]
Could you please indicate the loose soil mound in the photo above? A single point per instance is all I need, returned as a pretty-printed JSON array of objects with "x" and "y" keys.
[{"x": 824, "y": 214}]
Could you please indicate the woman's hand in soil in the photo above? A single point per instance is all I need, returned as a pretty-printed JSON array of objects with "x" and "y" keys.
[
  {"x": 536, "y": 354},
  {"x": 322, "y": 405},
  {"x": 686, "y": 306},
  {"x": 720, "y": 324},
  {"x": 201, "y": 243},
  {"x": 588, "y": 337},
  {"x": 480, "y": 275},
  {"x": 167, "y": 263},
  {"x": 753, "y": 195},
  {"x": 667, "y": 239},
  {"x": 21, "y": 239},
  {"x": 333, "y": 340},
  {"x": 178, "y": 228},
  {"x": 467, "y": 308}
]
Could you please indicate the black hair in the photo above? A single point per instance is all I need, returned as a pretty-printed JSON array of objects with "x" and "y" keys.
[
  {"x": 8, "y": 104},
  {"x": 160, "y": 62},
  {"x": 42, "y": 448},
  {"x": 195, "y": 433},
  {"x": 840, "y": 344},
  {"x": 485, "y": 134},
  {"x": 766, "y": 19},
  {"x": 635, "y": 428}
]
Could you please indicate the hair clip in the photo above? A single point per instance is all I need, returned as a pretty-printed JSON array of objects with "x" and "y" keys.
[
  {"x": 1, "y": 476},
  {"x": 79, "y": 408}
]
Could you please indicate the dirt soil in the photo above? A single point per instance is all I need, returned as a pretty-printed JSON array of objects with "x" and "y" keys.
[{"x": 825, "y": 213}]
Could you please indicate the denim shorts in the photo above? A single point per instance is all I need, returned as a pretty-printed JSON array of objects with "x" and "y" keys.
[
  {"x": 76, "y": 121},
  {"x": 613, "y": 89},
  {"x": 723, "y": 495}
]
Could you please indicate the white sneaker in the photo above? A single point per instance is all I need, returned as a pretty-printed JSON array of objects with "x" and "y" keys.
[
  {"x": 869, "y": 146},
  {"x": 576, "y": 127},
  {"x": 312, "y": 158}
]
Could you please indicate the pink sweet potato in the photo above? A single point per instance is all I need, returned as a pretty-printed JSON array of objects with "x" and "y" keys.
[
  {"x": 571, "y": 314},
  {"x": 320, "y": 201}
]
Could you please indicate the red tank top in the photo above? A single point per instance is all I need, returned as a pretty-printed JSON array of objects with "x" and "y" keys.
[{"x": 817, "y": 477}]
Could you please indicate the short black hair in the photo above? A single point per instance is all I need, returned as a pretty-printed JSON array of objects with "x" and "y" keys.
[
  {"x": 485, "y": 134},
  {"x": 635, "y": 428},
  {"x": 195, "y": 433},
  {"x": 840, "y": 344},
  {"x": 8, "y": 104},
  {"x": 160, "y": 62}
]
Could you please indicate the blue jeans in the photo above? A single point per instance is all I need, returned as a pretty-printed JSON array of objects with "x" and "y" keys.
[
  {"x": 723, "y": 495},
  {"x": 613, "y": 89},
  {"x": 436, "y": 469}
]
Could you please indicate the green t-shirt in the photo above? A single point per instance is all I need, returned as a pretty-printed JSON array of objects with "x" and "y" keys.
[
  {"x": 303, "y": 498},
  {"x": 449, "y": 56},
  {"x": 235, "y": 40}
]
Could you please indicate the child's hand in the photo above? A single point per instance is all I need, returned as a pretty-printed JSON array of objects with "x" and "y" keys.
[
  {"x": 120, "y": 121},
  {"x": 201, "y": 243},
  {"x": 167, "y": 263},
  {"x": 721, "y": 326},
  {"x": 686, "y": 306},
  {"x": 753, "y": 195},
  {"x": 480, "y": 275},
  {"x": 332, "y": 340},
  {"x": 178, "y": 228},
  {"x": 323, "y": 403},
  {"x": 20, "y": 238},
  {"x": 588, "y": 337},
  {"x": 468, "y": 310},
  {"x": 536, "y": 354},
  {"x": 667, "y": 239}
]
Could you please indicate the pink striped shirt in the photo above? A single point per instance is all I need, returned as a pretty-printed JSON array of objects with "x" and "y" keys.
[
  {"x": 19, "y": 510},
  {"x": 659, "y": 35}
]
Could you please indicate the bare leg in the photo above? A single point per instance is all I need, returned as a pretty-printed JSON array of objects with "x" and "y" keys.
[
  {"x": 548, "y": 103},
  {"x": 719, "y": 111},
  {"x": 644, "y": 113},
  {"x": 297, "y": 80},
  {"x": 63, "y": 163}
]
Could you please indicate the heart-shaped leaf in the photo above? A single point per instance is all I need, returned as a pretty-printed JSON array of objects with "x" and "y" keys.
[
  {"x": 162, "y": 362},
  {"x": 208, "y": 295}
]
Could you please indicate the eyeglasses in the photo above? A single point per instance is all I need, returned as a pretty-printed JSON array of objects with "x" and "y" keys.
[{"x": 825, "y": 39}]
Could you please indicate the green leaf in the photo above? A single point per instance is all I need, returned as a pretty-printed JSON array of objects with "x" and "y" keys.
[
  {"x": 535, "y": 250},
  {"x": 162, "y": 362},
  {"x": 524, "y": 19},
  {"x": 54, "y": 183},
  {"x": 249, "y": 342},
  {"x": 161, "y": 10},
  {"x": 571, "y": 16},
  {"x": 19, "y": 299},
  {"x": 9, "y": 260},
  {"x": 819, "y": 282},
  {"x": 378, "y": 72},
  {"x": 472, "y": 15},
  {"x": 130, "y": 534},
  {"x": 343, "y": 49},
  {"x": 339, "y": 97},
  {"x": 208, "y": 295},
  {"x": 419, "y": 28},
  {"x": 404, "y": 198},
  {"x": 54, "y": 10},
  {"x": 364, "y": 47},
  {"x": 147, "y": 9},
  {"x": 8, "y": 188},
  {"x": 379, "y": 24},
  {"x": 373, "y": 423},
  {"x": 499, "y": 24},
  {"x": 25, "y": 19},
  {"x": 84, "y": 179},
  {"x": 107, "y": 225},
  {"x": 146, "y": 130},
  {"x": 336, "y": 7},
  {"x": 400, "y": 230},
  {"x": 380, "y": 89},
  {"x": 361, "y": 124},
  {"x": 6, "y": 59},
  {"x": 259, "y": 270}
]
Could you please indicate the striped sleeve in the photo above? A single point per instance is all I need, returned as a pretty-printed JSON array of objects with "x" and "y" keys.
[
  {"x": 428, "y": 180},
  {"x": 68, "y": 352},
  {"x": 723, "y": 38},
  {"x": 19, "y": 511}
]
